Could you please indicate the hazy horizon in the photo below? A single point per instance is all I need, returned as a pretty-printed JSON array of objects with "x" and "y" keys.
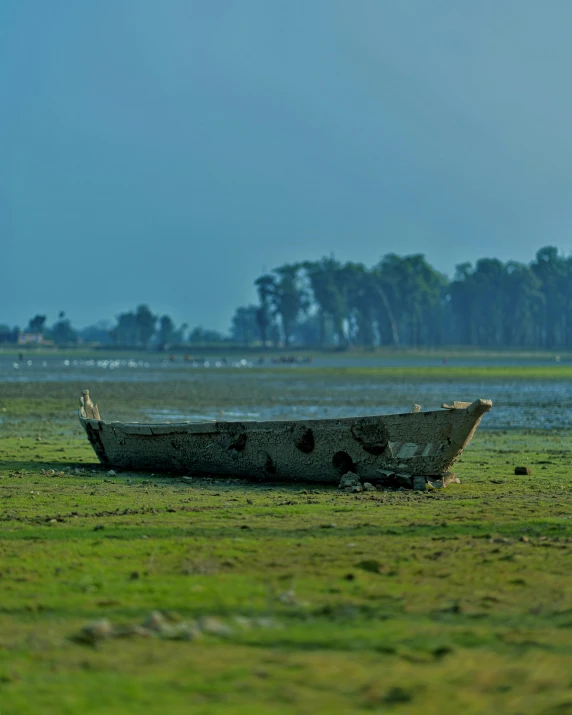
[{"x": 168, "y": 153}]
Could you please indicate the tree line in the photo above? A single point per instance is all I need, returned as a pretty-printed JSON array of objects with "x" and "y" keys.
[{"x": 402, "y": 301}]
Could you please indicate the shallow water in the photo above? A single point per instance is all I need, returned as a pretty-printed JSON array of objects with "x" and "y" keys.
[
  {"x": 157, "y": 367},
  {"x": 517, "y": 404},
  {"x": 510, "y": 411},
  {"x": 251, "y": 393}
]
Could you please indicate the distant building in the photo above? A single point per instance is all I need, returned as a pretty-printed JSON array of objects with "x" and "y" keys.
[{"x": 31, "y": 339}]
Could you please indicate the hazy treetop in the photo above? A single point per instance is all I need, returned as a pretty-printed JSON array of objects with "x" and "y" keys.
[{"x": 166, "y": 152}]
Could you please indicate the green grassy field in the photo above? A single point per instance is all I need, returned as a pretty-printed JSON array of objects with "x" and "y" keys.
[{"x": 285, "y": 599}]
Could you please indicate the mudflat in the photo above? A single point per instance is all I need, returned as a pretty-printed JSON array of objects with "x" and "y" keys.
[{"x": 136, "y": 592}]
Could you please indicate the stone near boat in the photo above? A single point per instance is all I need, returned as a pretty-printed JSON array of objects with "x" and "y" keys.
[
  {"x": 523, "y": 470},
  {"x": 375, "y": 449}
]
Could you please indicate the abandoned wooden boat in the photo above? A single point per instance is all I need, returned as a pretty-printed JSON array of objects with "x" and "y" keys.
[{"x": 415, "y": 444}]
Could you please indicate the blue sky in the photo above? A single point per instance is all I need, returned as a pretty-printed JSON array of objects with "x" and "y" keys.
[{"x": 167, "y": 152}]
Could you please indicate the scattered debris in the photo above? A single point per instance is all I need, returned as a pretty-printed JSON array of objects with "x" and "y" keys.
[
  {"x": 441, "y": 483},
  {"x": 288, "y": 598},
  {"x": 167, "y": 625},
  {"x": 260, "y": 622},
  {"x": 351, "y": 483},
  {"x": 156, "y": 621},
  {"x": 214, "y": 626}
]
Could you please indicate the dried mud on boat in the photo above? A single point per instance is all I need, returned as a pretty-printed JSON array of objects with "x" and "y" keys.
[{"x": 378, "y": 447}]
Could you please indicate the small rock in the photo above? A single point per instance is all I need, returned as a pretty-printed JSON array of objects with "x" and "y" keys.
[
  {"x": 96, "y": 631},
  {"x": 214, "y": 626},
  {"x": 156, "y": 622},
  {"x": 371, "y": 565},
  {"x": 349, "y": 480},
  {"x": 265, "y": 622},
  {"x": 172, "y": 616},
  {"x": 522, "y": 470},
  {"x": 368, "y": 487},
  {"x": 180, "y": 632},
  {"x": 288, "y": 598},
  {"x": 132, "y": 630},
  {"x": 111, "y": 473},
  {"x": 525, "y": 539}
]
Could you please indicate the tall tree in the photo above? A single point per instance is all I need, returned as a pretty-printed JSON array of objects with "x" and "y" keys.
[
  {"x": 462, "y": 295},
  {"x": 329, "y": 289},
  {"x": 165, "y": 332},
  {"x": 134, "y": 328},
  {"x": 36, "y": 324},
  {"x": 266, "y": 289},
  {"x": 125, "y": 332},
  {"x": 245, "y": 328},
  {"x": 62, "y": 331},
  {"x": 415, "y": 293},
  {"x": 289, "y": 298},
  {"x": 522, "y": 307},
  {"x": 551, "y": 270},
  {"x": 362, "y": 297},
  {"x": 145, "y": 325}
]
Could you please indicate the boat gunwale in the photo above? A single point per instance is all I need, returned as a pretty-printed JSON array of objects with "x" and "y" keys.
[{"x": 272, "y": 423}]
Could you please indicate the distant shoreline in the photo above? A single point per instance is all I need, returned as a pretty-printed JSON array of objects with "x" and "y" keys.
[{"x": 445, "y": 352}]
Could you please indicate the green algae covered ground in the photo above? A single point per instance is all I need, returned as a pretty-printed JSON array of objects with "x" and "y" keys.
[{"x": 299, "y": 599}]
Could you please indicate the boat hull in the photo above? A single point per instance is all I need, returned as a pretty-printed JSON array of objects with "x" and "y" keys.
[{"x": 412, "y": 444}]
